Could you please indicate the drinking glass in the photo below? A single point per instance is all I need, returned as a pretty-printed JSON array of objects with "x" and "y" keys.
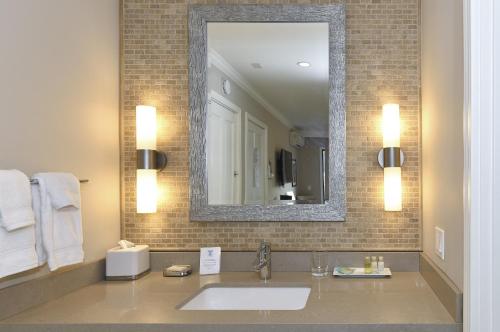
[{"x": 319, "y": 263}]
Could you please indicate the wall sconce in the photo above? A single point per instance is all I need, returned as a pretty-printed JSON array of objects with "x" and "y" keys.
[
  {"x": 391, "y": 158},
  {"x": 149, "y": 160}
]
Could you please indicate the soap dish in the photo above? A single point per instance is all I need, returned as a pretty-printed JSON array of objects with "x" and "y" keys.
[
  {"x": 177, "y": 271},
  {"x": 359, "y": 272}
]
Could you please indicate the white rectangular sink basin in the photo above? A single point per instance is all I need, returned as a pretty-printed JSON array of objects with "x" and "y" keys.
[{"x": 224, "y": 297}]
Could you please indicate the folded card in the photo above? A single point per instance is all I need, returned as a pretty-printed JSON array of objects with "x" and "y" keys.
[{"x": 210, "y": 260}]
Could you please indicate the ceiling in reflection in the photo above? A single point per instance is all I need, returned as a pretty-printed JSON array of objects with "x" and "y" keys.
[{"x": 267, "y": 56}]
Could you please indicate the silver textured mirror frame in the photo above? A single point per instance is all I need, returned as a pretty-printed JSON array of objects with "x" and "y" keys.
[{"x": 199, "y": 16}]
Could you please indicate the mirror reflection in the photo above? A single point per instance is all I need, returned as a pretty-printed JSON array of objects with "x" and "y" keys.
[{"x": 267, "y": 121}]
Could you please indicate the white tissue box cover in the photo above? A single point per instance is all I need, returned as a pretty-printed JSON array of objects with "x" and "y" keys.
[{"x": 127, "y": 262}]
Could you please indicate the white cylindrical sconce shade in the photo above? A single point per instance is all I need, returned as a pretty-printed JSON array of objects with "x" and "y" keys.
[
  {"x": 392, "y": 189},
  {"x": 145, "y": 118},
  {"x": 147, "y": 187},
  {"x": 391, "y": 125},
  {"x": 392, "y": 175},
  {"x": 147, "y": 190}
]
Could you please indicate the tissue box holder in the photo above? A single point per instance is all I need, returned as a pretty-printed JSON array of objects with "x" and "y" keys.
[{"x": 127, "y": 264}]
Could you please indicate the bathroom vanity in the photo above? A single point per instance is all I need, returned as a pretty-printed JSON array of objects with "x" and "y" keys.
[
  {"x": 403, "y": 303},
  {"x": 221, "y": 302}
]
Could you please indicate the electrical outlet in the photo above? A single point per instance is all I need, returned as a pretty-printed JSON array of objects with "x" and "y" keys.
[{"x": 439, "y": 242}]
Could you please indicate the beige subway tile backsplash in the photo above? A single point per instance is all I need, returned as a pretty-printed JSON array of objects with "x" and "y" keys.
[{"x": 383, "y": 63}]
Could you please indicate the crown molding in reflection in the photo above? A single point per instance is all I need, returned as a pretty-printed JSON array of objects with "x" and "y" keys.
[{"x": 219, "y": 62}]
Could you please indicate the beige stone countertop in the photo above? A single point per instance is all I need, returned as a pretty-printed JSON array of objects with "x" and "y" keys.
[{"x": 404, "y": 302}]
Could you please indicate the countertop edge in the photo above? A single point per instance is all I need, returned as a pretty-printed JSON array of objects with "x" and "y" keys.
[{"x": 264, "y": 327}]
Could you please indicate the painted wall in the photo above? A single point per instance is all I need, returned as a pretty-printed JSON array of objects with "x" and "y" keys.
[
  {"x": 442, "y": 132},
  {"x": 59, "y": 87},
  {"x": 278, "y": 134},
  {"x": 383, "y": 65}
]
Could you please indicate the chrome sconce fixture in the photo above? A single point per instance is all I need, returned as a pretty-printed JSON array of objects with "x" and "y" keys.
[
  {"x": 391, "y": 158},
  {"x": 149, "y": 160}
]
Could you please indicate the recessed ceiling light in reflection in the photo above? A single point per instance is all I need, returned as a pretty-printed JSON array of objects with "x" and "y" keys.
[{"x": 303, "y": 64}]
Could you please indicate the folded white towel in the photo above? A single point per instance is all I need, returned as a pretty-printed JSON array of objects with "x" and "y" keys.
[
  {"x": 17, "y": 250},
  {"x": 63, "y": 189},
  {"x": 57, "y": 206},
  {"x": 15, "y": 200},
  {"x": 17, "y": 231}
]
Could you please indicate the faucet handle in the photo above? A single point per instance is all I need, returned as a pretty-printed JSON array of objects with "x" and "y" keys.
[
  {"x": 264, "y": 250},
  {"x": 264, "y": 243},
  {"x": 265, "y": 246}
]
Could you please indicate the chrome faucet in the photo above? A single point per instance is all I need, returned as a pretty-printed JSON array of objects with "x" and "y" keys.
[{"x": 263, "y": 261}]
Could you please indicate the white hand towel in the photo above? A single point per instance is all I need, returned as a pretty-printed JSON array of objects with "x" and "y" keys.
[
  {"x": 63, "y": 189},
  {"x": 17, "y": 234},
  {"x": 15, "y": 200},
  {"x": 57, "y": 206},
  {"x": 17, "y": 250}
]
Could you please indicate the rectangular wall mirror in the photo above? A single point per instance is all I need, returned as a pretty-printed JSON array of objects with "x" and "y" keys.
[{"x": 267, "y": 134}]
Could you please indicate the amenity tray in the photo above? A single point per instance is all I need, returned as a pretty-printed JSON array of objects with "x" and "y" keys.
[{"x": 359, "y": 272}]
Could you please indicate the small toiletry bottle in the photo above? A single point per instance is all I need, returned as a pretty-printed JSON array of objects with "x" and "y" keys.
[
  {"x": 380, "y": 264},
  {"x": 374, "y": 264},
  {"x": 368, "y": 265}
]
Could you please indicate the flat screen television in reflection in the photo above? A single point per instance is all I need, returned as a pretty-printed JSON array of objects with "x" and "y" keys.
[{"x": 285, "y": 172}]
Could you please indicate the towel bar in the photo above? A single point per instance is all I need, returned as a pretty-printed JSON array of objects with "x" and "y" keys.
[{"x": 35, "y": 181}]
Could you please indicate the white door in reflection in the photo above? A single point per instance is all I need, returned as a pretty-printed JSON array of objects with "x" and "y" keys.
[
  {"x": 255, "y": 160},
  {"x": 223, "y": 158}
]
